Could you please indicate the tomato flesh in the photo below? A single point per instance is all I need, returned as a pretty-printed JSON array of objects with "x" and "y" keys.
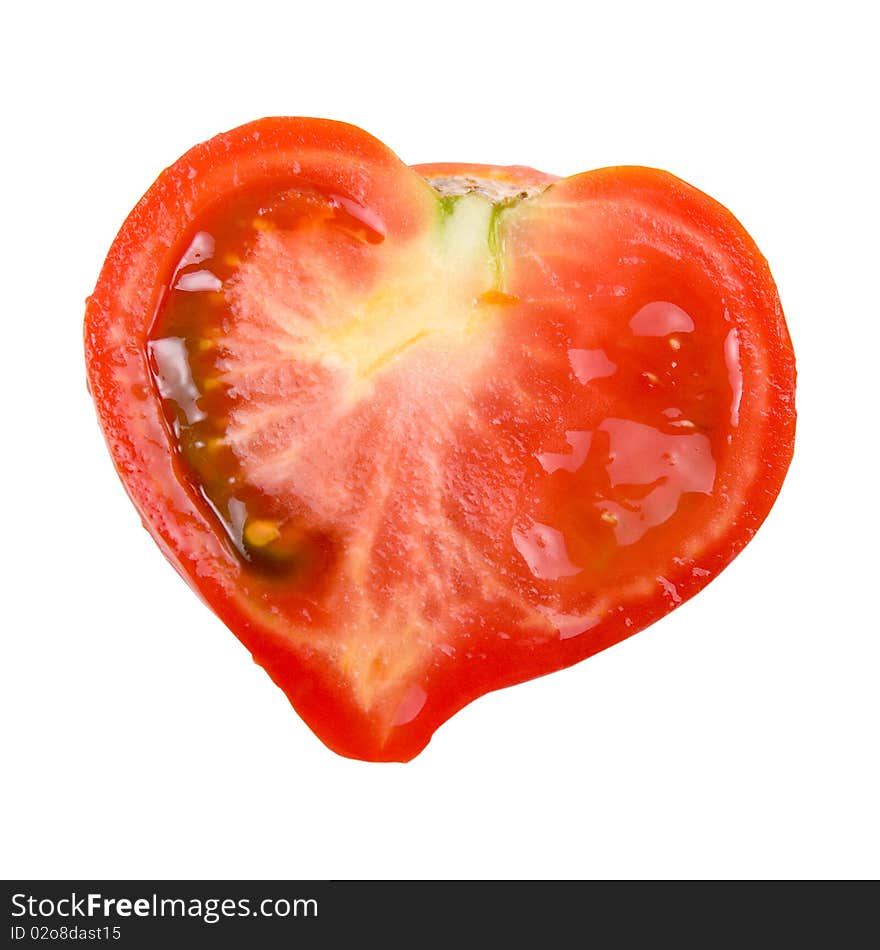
[{"x": 467, "y": 438}]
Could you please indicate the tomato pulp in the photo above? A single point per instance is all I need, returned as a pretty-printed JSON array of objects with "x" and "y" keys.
[{"x": 416, "y": 434}]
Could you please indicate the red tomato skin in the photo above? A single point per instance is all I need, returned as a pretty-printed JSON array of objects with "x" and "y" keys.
[{"x": 342, "y": 158}]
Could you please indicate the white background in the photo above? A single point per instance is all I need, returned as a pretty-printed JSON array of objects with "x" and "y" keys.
[{"x": 736, "y": 738}]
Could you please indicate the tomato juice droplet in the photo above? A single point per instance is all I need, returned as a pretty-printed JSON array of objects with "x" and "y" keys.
[
  {"x": 174, "y": 378},
  {"x": 590, "y": 364},
  {"x": 571, "y": 461},
  {"x": 660, "y": 318},
  {"x": 543, "y": 549},
  {"x": 734, "y": 371}
]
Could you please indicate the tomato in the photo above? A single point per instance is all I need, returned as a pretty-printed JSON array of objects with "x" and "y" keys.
[{"x": 416, "y": 434}]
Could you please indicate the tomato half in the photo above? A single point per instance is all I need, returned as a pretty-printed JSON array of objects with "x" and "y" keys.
[{"x": 416, "y": 434}]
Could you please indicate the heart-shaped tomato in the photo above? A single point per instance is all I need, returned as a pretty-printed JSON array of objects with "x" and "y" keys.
[{"x": 419, "y": 434}]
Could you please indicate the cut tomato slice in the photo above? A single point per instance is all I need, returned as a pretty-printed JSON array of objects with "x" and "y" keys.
[{"x": 419, "y": 434}]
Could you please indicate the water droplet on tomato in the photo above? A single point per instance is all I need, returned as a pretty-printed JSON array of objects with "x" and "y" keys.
[
  {"x": 235, "y": 522},
  {"x": 568, "y": 461},
  {"x": 410, "y": 706},
  {"x": 569, "y": 625},
  {"x": 371, "y": 226},
  {"x": 651, "y": 470},
  {"x": 661, "y": 318},
  {"x": 201, "y": 248},
  {"x": 543, "y": 549},
  {"x": 670, "y": 590},
  {"x": 734, "y": 373},
  {"x": 197, "y": 281},
  {"x": 173, "y": 376},
  {"x": 590, "y": 364}
]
